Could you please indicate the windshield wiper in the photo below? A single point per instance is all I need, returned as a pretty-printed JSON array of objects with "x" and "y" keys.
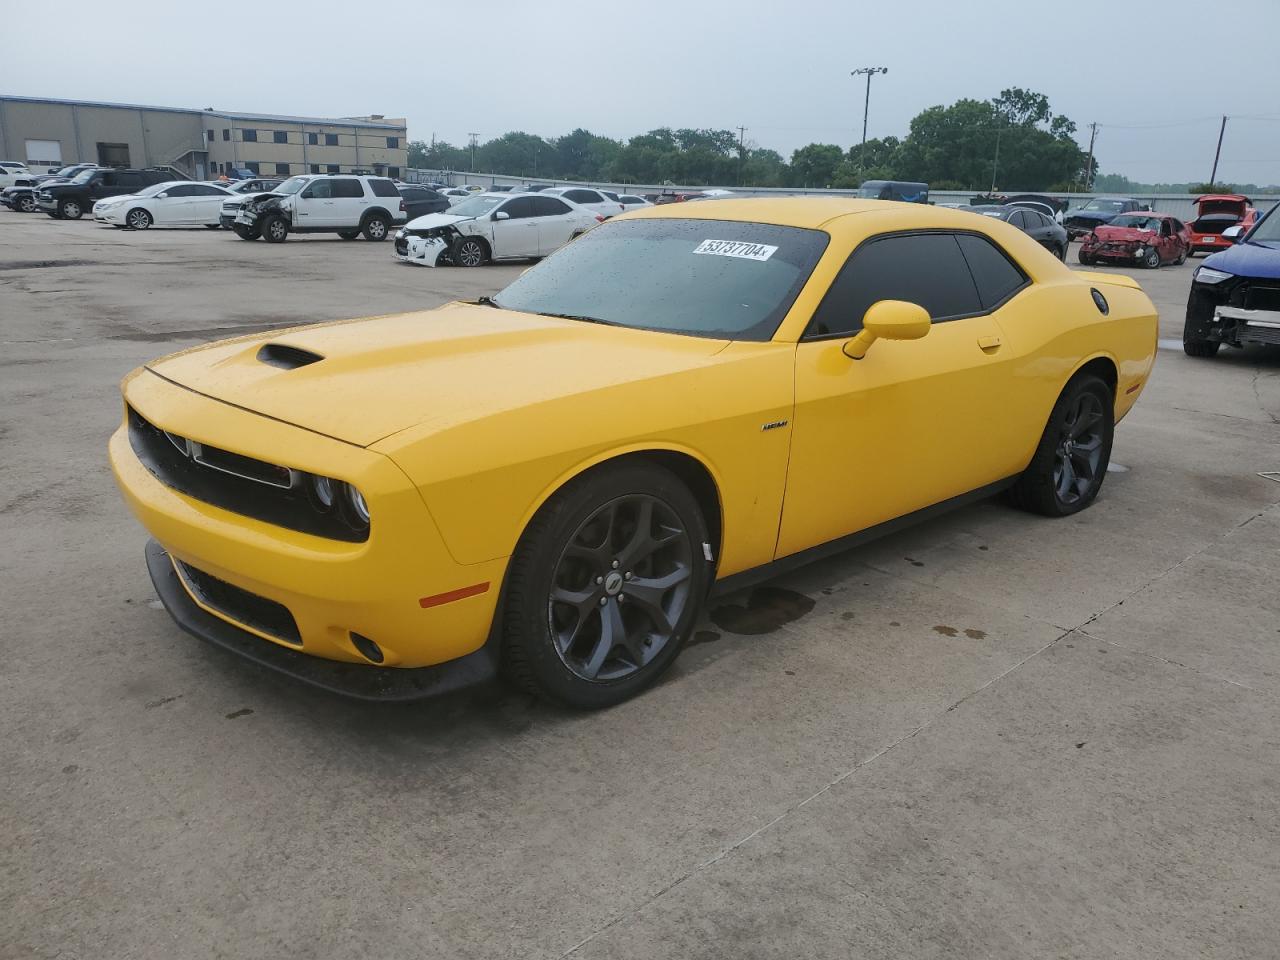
[{"x": 582, "y": 317}]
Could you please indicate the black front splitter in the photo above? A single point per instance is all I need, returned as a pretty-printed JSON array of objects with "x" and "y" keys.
[{"x": 384, "y": 684}]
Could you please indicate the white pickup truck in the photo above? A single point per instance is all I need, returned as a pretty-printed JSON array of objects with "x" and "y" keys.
[{"x": 14, "y": 173}]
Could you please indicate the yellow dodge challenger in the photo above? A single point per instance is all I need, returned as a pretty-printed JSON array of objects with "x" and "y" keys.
[{"x": 551, "y": 481}]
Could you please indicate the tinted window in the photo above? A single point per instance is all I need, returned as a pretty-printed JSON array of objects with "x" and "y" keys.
[
  {"x": 331, "y": 168},
  {"x": 252, "y": 166},
  {"x": 1019, "y": 219},
  {"x": 282, "y": 169},
  {"x": 383, "y": 188},
  {"x": 330, "y": 139},
  {"x": 250, "y": 136},
  {"x": 584, "y": 196},
  {"x": 549, "y": 207},
  {"x": 519, "y": 208},
  {"x": 183, "y": 190},
  {"x": 204, "y": 190},
  {"x": 347, "y": 187},
  {"x": 226, "y": 134},
  {"x": 393, "y": 143},
  {"x": 313, "y": 139},
  {"x": 926, "y": 268},
  {"x": 320, "y": 189},
  {"x": 280, "y": 136},
  {"x": 992, "y": 271},
  {"x": 719, "y": 278},
  {"x": 412, "y": 194},
  {"x": 135, "y": 179}
]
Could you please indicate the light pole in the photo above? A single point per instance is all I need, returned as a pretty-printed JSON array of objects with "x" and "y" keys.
[{"x": 866, "y": 109}]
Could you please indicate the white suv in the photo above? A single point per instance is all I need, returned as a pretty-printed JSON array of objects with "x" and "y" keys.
[
  {"x": 347, "y": 205},
  {"x": 14, "y": 173}
]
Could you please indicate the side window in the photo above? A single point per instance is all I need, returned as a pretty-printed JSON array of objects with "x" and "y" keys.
[
  {"x": 1166, "y": 229},
  {"x": 383, "y": 188},
  {"x": 107, "y": 178},
  {"x": 131, "y": 180},
  {"x": 348, "y": 187},
  {"x": 319, "y": 190},
  {"x": 549, "y": 206},
  {"x": 923, "y": 268},
  {"x": 1018, "y": 219},
  {"x": 519, "y": 208},
  {"x": 584, "y": 196},
  {"x": 182, "y": 190},
  {"x": 994, "y": 273},
  {"x": 204, "y": 190}
]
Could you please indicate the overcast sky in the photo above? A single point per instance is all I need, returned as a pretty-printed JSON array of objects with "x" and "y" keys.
[{"x": 1155, "y": 81}]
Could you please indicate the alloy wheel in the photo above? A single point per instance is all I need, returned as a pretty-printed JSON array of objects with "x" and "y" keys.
[
  {"x": 620, "y": 587},
  {"x": 276, "y": 229},
  {"x": 470, "y": 254},
  {"x": 377, "y": 229},
  {"x": 1079, "y": 451},
  {"x": 139, "y": 219},
  {"x": 71, "y": 210},
  {"x": 27, "y": 204}
]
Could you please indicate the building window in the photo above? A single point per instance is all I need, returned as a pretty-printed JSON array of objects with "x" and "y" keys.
[
  {"x": 330, "y": 139},
  {"x": 315, "y": 168},
  {"x": 313, "y": 138},
  {"x": 282, "y": 169},
  {"x": 226, "y": 134},
  {"x": 332, "y": 168},
  {"x": 394, "y": 172},
  {"x": 249, "y": 136},
  {"x": 393, "y": 143},
  {"x": 210, "y": 133},
  {"x": 253, "y": 167},
  {"x": 280, "y": 136}
]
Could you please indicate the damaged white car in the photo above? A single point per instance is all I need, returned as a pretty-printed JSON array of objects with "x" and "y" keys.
[{"x": 493, "y": 226}]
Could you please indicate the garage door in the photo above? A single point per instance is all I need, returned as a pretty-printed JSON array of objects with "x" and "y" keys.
[{"x": 44, "y": 156}]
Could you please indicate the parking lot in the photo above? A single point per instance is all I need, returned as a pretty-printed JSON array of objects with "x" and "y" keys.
[{"x": 992, "y": 735}]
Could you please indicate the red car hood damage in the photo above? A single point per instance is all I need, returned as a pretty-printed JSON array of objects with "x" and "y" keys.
[{"x": 1120, "y": 234}]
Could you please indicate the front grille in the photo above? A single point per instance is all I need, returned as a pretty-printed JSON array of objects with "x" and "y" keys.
[
  {"x": 248, "y": 609},
  {"x": 234, "y": 482},
  {"x": 1261, "y": 296},
  {"x": 1257, "y": 334}
]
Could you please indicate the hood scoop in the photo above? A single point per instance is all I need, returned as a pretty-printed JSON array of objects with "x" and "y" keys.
[{"x": 286, "y": 357}]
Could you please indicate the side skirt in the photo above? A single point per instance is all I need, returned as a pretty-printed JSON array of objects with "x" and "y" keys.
[{"x": 749, "y": 578}]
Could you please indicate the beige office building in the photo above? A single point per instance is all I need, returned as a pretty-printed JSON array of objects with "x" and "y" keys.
[{"x": 201, "y": 143}]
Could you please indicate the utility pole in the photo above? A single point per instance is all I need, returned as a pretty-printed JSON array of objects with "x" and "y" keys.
[
  {"x": 1088, "y": 167},
  {"x": 742, "y": 132},
  {"x": 866, "y": 109},
  {"x": 473, "y": 137},
  {"x": 995, "y": 164},
  {"x": 1213, "y": 177}
]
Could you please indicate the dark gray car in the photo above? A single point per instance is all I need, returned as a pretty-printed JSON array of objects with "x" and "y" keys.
[{"x": 1050, "y": 235}]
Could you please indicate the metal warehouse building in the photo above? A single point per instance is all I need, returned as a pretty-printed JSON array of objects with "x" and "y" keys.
[{"x": 200, "y": 143}]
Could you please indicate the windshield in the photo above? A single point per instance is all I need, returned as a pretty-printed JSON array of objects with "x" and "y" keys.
[
  {"x": 474, "y": 206},
  {"x": 1104, "y": 206},
  {"x": 1268, "y": 229},
  {"x": 84, "y": 176},
  {"x": 68, "y": 170},
  {"x": 719, "y": 278},
  {"x": 1137, "y": 222},
  {"x": 292, "y": 185},
  {"x": 871, "y": 193}
]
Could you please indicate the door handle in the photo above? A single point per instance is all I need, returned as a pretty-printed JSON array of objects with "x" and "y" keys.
[{"x": 989, "y": 342}]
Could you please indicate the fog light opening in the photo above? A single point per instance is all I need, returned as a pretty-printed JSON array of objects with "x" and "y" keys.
[{"x": 368, "y": 649}]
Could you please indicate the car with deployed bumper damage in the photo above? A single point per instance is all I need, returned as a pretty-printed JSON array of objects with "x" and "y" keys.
[
  {"x": 552, "y": 480},
  {"x": 1235, "y": 293},
  {"x": 1215, "y": 212},
  {"x": 493, "y": 226},
  {"x": 1143, "y": 239},
  {"x": 347, "y": 205}
]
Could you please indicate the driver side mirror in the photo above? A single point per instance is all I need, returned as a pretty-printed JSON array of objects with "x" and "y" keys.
[
  {"x": 1234, "y": 234},
  {"x": 162, "y": 196},
  {"x": 888, "y": 320},
  {"x": 502, "y": 215}
]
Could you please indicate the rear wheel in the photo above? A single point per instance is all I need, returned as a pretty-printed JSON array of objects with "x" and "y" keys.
[
  {"x": 1066, "y": 472},
  {"x": 470, "y": 252},
  {"x": 70, "y": 210},
  {"x": 138, "y": 219},
  {"x": 348, "y": 234},
  {"x": 1182, "y": 257},
  {"x": 27, "y": 204},
  {"x": 375, "y": 228},
  {"x": 604, "y": 587},
  {"x": 275, "y": 229}
]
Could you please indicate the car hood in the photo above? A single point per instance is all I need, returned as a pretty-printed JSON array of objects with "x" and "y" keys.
[
  {"x": 1258, "y": 260},
  {"x": 435, "y": 369},
  {"x": 1117, "y": 234},
  {"x": 434, "y": 220}
]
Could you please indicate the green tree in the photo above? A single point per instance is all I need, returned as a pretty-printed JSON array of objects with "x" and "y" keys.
[{"x": 815, "y": 165}]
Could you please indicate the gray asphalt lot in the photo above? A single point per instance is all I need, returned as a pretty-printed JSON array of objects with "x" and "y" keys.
[{"x": 992, "y": 735}]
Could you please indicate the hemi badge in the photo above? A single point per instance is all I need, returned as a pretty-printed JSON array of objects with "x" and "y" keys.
[
  {"x": 774, "y": 425},
  {"x": 460, "y": 594}
]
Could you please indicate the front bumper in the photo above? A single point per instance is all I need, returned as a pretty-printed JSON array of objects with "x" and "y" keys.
[
  {"x": 421, "y": 251},
  {"x": 378, "y": 588},
  {"x": 348, "y": 679}
]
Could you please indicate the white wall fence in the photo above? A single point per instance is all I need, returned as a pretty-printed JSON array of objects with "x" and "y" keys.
[{"x": 1181, "y": 205}]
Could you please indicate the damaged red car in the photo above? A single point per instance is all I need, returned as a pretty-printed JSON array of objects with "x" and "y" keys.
[
  {"x": 1214, "y": 213},
  {"x": 1142, "y": 239}
]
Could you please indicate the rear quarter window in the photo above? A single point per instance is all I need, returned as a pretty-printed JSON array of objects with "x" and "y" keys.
[
  {"x": 995, "y": 275},
  {"x": 384, "y": 188}
]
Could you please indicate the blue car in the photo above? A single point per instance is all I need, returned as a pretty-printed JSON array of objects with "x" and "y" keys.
[
  {"x": 1098, "y": 211},
  {"x": 1235, "y": 294}
]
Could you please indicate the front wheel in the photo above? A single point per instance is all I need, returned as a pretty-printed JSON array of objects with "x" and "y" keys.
[
  {"x": 375, "y": 229},
  {"x": 245, "y": 233},
  {"x": 138, "y": 219},
  {"x": 1152, "y": 259},
  {"x": 275, "y": 230},
  {"x": 27, "y": 204},
  {"x": 469, "y": 252},
  {"x": 604, "y": 587},
  {"x": 70, "y": 210},
  {"x": 1066, "y": 472}
]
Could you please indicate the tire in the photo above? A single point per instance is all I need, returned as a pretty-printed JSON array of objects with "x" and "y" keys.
[
  {"x": 1200, "y": 348},
  {"x": 1182, "y": 257},
  {"x": 1062, "y": 253},
  {"x": 375, "y": 228},
  {"x": 1152, "y": 260},
  {"x": 138, "y": 219},
  {"x": 1070, "y": 462},
  {"x": 348, "y": 234},
  {"x": 245, "y": 233},
  {"x": 213, "y": 226},
  {"x": 275, "y": 229},
  {"x": 567, "y": 631},
  {"x": 27, "y": 204},
  {"x": 470, "y": 252},
  {"x": 70, "y": 210},
  {"x": 1085, "y": 259}
]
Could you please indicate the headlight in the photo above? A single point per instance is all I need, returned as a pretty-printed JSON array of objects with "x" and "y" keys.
[
  {"x": 1210, "y": 275},
  {"x": 322, "y": 488},
  {"x": 358, "y": 505},
  {"x": 399, "y": 234}
]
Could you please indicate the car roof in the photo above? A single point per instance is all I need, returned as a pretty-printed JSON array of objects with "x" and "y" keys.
[{"x": 805, "y": 212}]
